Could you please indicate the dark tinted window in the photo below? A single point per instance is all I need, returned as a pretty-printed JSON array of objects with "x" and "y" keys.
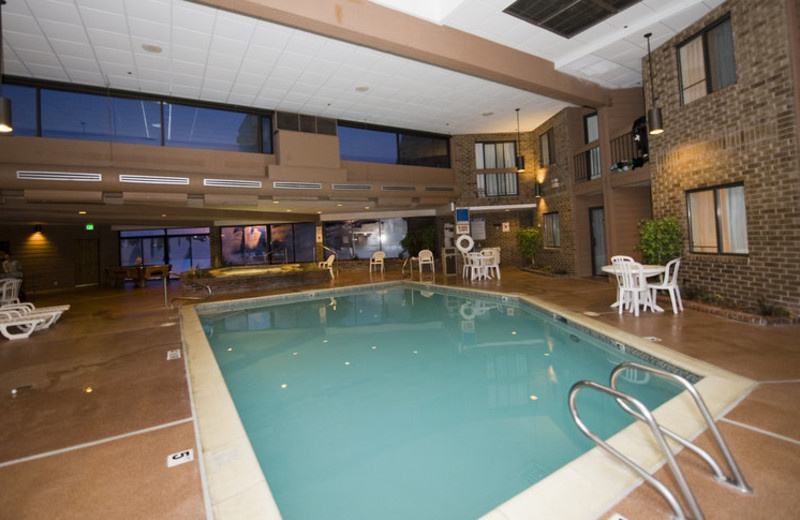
[
  {"x": 209, "y": 128},
  {"x": 23, "y": 108},
  {"x": 361, "y": 144}
]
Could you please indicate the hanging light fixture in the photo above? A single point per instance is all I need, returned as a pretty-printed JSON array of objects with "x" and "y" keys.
[
  {"x": 5, "y": 104},
  {"x": 520, "y": 162},
  {"x": 654, "y": 124}
]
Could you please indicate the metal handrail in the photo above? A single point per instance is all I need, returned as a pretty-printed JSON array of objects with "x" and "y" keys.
[
  {"x": 737, "y": 481},
  {"x": 647, "y": 417},
  {"x": 189, "y": 298}
]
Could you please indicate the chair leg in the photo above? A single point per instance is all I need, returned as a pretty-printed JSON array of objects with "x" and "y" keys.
[{"x": 678, "y": 297}]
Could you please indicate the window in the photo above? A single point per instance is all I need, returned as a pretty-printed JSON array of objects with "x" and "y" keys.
[
  {"x": 64, "y": 113},
  {"x": 495, "y": 155},
  {"x": 352, "y": 239},
  {"x": 390, "y": 146},
  {"x": 268, "y": 244},
  {"x": 496, "y": 184},
  {"x": 547, "y": 148},
  {"x": 552, "y": 230},
  {"x": 717, "y": 220},
  {"x": 183, "y": 247},
  {"x": 707, "y": 62},
  {"x": 591, "y": 128}
]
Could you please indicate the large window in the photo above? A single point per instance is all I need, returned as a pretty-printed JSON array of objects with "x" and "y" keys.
[
  {"x": 495, "y": 155},
  {"x": 182, "y": 248},
  {"x": 123, "y": 118},
  {"x": 497, "y": 184},
  {"x": 392, "y": 146},
  {"x": 352, "y": 239},
  {"x": 707, "y": 61},
  {"x": 552, "y": 230},
  {"x": 547, "y": 148},
  {"x": 268, "y": 244},
  {"x": 717, "y": 220}
]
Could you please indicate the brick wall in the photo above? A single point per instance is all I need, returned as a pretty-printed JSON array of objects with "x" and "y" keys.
[{"x": 746, "y": 133}]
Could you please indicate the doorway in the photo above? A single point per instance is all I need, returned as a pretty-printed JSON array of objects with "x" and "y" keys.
[
  {"x": 87, "y": 266},
  {"x": 597, "y": 224}
]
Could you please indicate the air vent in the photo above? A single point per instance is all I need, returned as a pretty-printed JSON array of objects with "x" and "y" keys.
[
  {"x": 398, "y": 188},
  {"x": 231, "y": 183},
  {"x": 352, "y": 187},
  {"x": 59, "y": 176},
  {"x": 153, "y": 179},
  {"x": 284, "y": 185},
  {"x": 439, "y": 188},
  {"x": 566, "y": 18}
]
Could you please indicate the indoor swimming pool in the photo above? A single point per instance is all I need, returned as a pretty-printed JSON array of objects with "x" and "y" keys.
[{"x": 404, "y": 401}]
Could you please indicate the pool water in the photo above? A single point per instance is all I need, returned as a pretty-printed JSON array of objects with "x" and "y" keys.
[{"x": 401, "y": 403}]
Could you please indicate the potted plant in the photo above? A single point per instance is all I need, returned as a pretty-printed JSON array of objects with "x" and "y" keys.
[
  {"x": 529, "y": 241},
  {"x": 660, "y": 240}
]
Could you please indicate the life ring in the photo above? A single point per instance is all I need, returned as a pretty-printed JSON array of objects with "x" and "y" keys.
[
  {"x": 469, "y": 245},
  {"x": 467, "y": 310}
]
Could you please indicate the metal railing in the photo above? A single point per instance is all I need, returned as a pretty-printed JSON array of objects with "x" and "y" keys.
[{"x": 642, "y": 413}]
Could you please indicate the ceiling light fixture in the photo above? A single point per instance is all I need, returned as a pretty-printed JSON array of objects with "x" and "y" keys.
[
  {"x": 654, "y": 124},
  {"x": 520, "y": 160},
  {"x": 5, "y": 104}
]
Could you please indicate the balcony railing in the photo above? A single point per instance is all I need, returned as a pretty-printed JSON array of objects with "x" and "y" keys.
[
  {"x": 626, "y": 153},
  {"x": 587, "y": 165}
]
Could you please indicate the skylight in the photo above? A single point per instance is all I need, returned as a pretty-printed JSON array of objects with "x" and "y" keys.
[{"x": 566, "y": 18}]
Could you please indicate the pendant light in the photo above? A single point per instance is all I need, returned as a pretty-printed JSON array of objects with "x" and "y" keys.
[
  {"x": 5, "y": 104},
  {"x": 520, "y": 162},
  {"x": 654, "y": 124}
]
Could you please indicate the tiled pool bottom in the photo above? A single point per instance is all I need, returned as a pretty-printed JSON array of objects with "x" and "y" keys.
[{"x": 238, "y": 490}]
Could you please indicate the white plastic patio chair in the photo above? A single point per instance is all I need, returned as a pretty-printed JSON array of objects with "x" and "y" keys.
[
  {"x": 13, "y": 326},
  {"x": 377, "y": 261},
  {"x": 425, "y": 257},
  {"x": 614, "y": 261},
  {"x": 9, "y": 290},
  {"x": 633, "y": 289},
  {"x": 670, "y": 284},
  {"x": 491, "y": 262},
  {"x": 328, "y": 264}
]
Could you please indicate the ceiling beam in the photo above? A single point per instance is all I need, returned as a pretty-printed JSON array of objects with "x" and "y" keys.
[{"x": 371, "y": 25}]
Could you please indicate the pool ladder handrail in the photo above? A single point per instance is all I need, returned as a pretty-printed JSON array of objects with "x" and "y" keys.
[
  {"x": 188, "y": 298},
  {"x": 737, "y": 481}
]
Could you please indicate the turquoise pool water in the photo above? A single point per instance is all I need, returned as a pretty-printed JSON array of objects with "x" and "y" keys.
[{"x": 399, "y": 403}]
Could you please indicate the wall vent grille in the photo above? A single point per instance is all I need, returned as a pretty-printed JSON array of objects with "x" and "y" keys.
[
  {"x": 439, "y": 188},
  {"x": 285, "y": 185},
  {"x": 153, "y": 179},
  {"x": 59, "y": 176},
  {"x": 231, "y": 183},
  {"x": 398, "y": 188},
  {"x": 352, "y": 187}
]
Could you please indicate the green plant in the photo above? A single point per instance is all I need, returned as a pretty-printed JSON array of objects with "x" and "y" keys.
[
  {"x": 529, "y": 241},
  {"x": 660, "y": 240},
  {"x": 767, "y": 308},
  {"x": 418, "y": 239}
]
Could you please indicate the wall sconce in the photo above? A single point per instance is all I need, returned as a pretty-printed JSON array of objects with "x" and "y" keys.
[
  {"x": 654, "y": 124},
  {"x": 37, "y": 228},
  {"x": 520, "y": 160},
  {"x": 5, "y": 103},
  {"x": 537, "y": 190}
]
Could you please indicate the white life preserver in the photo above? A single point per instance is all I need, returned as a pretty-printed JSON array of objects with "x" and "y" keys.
[
  {"x": 467, "y": 310},
  {"x": 465, "y": 248}
]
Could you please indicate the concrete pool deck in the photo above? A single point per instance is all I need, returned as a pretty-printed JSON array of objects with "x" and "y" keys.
[{"x": 72, "y": 454}]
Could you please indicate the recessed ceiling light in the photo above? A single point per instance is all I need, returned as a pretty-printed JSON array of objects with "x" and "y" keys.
[
  {"x": 366, "y": 207},
  {"x": 288, "y": 211},
  {"x": 338, "y": 205},
  {"x": 362, "y": 89},
  {"x": 276, "y": 202},
  {"x": 151, "y": 47},
  {"x": 163, "y": 215},
  {"x": 319, "y": 212},
  {"x": 82, "y": 212}
]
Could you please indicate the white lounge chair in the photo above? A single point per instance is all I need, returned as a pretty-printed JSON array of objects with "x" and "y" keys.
[
  {"x": 24, "y": 325},
  {"x": 9, "y": 290},
  {"x": 52, "y": 314}
]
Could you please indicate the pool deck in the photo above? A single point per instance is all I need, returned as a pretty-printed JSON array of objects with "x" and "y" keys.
[{"x": 70, "y": 453}]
